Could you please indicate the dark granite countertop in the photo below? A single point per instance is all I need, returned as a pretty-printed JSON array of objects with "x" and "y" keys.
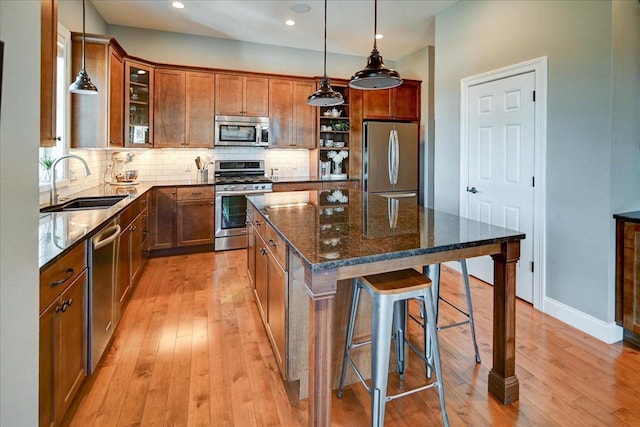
[
  {"x": 330, "y": 229},
  {"x": 629, "y": 216},
  {"x": 62, "y": 231}
]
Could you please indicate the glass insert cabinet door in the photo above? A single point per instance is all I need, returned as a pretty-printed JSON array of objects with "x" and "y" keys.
[{"x": 139, "y": 104}]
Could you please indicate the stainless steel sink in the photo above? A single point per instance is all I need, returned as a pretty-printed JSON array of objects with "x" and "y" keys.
[{"x": 84, "y": 203}]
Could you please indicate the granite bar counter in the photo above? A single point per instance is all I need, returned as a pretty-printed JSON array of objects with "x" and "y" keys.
[{"x": 333, "y": 237}]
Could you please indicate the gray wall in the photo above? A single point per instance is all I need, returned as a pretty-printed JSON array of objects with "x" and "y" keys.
[
  {"x": 475, "y": 37},
  {"x": 70, "y": 15},
  {"x": 19, "y": 139},
  {"x": 184, "y": 49}
]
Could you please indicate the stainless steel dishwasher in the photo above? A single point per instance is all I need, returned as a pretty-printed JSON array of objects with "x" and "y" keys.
[{"x": 103, "y": 311}]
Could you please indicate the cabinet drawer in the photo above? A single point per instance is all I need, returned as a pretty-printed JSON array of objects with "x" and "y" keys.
[
  {"x": 297, "y": 186},
  {"x": 56, "y": 278},
  {"x": 195, "y": 193},
  {"x": 341, "y": 185},
  {"x": 259, "y": 223},
  {"x": 276, "y": 246}
]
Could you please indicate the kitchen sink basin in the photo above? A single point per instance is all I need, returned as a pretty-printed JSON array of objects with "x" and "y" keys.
[{"x": 84, "y": 203}]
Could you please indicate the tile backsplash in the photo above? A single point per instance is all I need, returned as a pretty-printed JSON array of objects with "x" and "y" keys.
[{"x": 175, "y": 164}]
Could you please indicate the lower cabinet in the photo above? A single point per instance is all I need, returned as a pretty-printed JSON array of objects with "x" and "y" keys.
[
  {"x": 266, "y": 264},
  {"x": 195, "y": 220},
  {"x": 63, "y": 336},
  {"x": 134, "y": 246},
  {"x": 627, "y": 278},
  {"x": 163, "y": 218},
  {"x": 315, "y": 185},
  {"x": 182, "y": 216}
]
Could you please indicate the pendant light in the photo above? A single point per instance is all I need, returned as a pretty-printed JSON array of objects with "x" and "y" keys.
[
  {"x": 375, "y": 75},
  {"x": 83, "y": 85},
  {"x": 325, "y": 96}
]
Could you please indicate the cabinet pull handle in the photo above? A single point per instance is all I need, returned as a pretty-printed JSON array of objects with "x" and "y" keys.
[
  {"x": 272, "y": 243},
  {"x": 70, "y": 273},
  {"x": 263, "y": 251},
  {"x": 193, "y": 193},
  {"x": 258, "y": 223}
]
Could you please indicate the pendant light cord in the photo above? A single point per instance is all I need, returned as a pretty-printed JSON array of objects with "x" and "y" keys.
[
  {"x": 83, "y": 32},
  {"x": 375, "y": 24},
  {"x": 325, "y": 39}
]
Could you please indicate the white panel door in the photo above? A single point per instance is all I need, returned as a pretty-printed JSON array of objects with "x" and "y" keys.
[{"x": 501, "y": 167}]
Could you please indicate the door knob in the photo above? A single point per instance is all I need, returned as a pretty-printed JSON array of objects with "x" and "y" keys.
[{"x": 473, "y": 190}]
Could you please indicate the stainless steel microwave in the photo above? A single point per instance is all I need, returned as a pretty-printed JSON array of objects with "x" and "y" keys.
[{"x": 241, "y": 131}]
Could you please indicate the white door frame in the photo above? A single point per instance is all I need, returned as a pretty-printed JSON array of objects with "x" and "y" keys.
[{"x": 539, "y": 66}]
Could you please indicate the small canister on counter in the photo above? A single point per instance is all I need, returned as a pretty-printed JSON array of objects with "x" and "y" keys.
[{"x": 202, "y": 175}]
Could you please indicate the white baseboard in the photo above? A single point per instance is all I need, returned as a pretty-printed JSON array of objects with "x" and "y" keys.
[{"x": 608, "y": 332}]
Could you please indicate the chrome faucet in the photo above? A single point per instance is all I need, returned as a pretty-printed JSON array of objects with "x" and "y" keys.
[{"x": 53, "y": 200}]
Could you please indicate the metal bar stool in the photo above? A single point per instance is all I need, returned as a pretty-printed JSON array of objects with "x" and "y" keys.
[
  {"x": 390, "y": 293},
  {"x": 433, "y": 271}
]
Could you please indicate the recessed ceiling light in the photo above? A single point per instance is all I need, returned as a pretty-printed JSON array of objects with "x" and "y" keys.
[
  {"x": 300, "y": 8},
  {"x": 290, "y": 22},
  {"x": 177, "y": 5},
  {"x": 379, "y": 36}
]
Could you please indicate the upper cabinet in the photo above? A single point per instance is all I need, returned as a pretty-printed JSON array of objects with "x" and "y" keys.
[
  {"x": 292, "y": 120},
  {"x": 238, "y": 95},
  {"x": 138, "y": 104},
  {"x": 183, "y": 110},
  {"x": 400, "y": 103},
  {"x": 48, "y": 53},
  {"x": 97, "y": 120}
]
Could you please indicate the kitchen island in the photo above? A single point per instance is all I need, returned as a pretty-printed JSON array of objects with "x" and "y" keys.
[{"x": 336, "y": 235}]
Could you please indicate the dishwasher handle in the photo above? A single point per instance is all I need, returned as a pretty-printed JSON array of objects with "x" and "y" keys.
[{"x": 108, "y": 240}]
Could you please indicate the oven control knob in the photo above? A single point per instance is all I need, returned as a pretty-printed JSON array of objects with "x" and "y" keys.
[
  {"x": 244, "y": 187},
  {"x": 225, "y": 188},
  {"x": 263, "y": 187}
]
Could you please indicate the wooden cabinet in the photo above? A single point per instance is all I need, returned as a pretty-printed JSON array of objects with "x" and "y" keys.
[
  {"x": 97, "y": 120},
  {"x": 195, "y": 221},
  {"x": 292, "y": 119},
  {"x": 138, "y": 106},
  {"x": 400, "y": 103},
  {"x": 48, "y": 74},
  {"x": 182, "y": 216},
  {"x": 163, "y": 218},
  {"x": 238, "y": 95},
  {"x": 134, "y": 249},
  {"x": 267, "y": 264},
  {"x": 627, "y": 277},
  {"x": 183, "y": 110},
  {"x": 63, "y": 335}
]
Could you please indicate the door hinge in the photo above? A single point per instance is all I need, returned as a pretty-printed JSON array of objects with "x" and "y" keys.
[
  {"x": 534, "y": 96},
  {"x": 533, "y": 181},
  {"x": 532, "y": 266}
]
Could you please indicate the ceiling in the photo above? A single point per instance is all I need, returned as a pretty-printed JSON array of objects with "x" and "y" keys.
[{"x": 407, "y": 25}]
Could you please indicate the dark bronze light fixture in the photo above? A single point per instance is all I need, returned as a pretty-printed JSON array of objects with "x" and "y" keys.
[
  {"x": 375, "y": 75},
  {"x": 83, "y": 84},
  {"x": 325, "y": 96}
]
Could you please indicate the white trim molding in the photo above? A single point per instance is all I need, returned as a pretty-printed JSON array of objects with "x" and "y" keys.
[
  {"x": 608, "y": 332},
  {"x": 539, "y": 67}
]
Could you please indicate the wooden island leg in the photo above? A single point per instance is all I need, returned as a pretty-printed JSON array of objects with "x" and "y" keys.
[
  {"x": 503, "y": 383},
  {"x": 321, "y": 287}
]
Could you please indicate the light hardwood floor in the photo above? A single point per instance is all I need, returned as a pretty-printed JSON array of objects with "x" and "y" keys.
[{"x": 191, "y": 351}]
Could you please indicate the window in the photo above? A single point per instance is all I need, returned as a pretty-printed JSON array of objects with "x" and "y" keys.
[{"x": 62, "y": 111}]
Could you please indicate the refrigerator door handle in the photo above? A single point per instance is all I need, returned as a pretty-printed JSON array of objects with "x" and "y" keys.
[
  {"x": 396, "y": 157},
  {"x": 390, "y": 160}
]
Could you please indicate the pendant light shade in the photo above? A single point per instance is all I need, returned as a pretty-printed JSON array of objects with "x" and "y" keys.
[
  {"x": 325, "y": 96},
  {"x": 375, "y": 75},
  {"x": 82, "y": 84}
]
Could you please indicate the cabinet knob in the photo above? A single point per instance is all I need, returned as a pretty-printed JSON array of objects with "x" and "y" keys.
[
  {"x": 263, "y": 251},
  {"x": 272, "y": 243}
]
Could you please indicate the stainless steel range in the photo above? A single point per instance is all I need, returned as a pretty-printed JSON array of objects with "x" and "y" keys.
[{"x": 234, "y": 179}]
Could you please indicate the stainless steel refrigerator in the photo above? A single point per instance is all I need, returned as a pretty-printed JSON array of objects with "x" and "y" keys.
[{"x": 390, "y": 160}]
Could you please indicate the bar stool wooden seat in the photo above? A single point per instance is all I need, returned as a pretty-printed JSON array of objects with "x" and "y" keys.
[{"x": 390, "y": 293}]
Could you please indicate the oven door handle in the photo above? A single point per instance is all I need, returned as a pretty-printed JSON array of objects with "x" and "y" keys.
[{"x": 238, "y": 193}]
